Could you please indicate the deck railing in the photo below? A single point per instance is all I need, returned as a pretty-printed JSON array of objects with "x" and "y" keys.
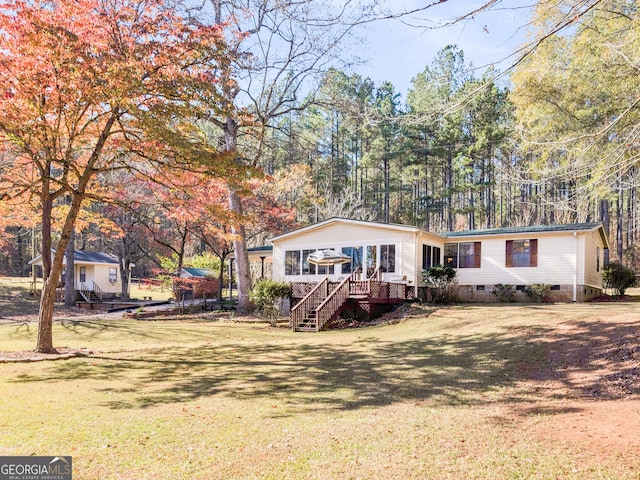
[
  {"x": 326, "y": 298},
  {"x": 90, "y": 291},
  {"x": 334, "y": 302},
  {"x": 309, "y": 302}
]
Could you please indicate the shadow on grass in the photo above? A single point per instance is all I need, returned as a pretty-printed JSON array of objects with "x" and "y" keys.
[
  {"x": 451, "y": 369},
  {"x": 16, "y": 300}
]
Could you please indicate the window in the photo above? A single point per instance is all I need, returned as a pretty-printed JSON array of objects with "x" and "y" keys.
[
  {"x": 388, "y": 258},
  {"x": 83, "y": 274},
  {"x": 435, "y": 256},
  {"x": 296, "y": 262},
  {"x": 113, "y": 274},
  {"x": 372, "y": 259},
  {"x": 597, "y": 259},
  {"x": 430, "y": 256},
  {"x": 522, "y": 253},
  {"x": 326, "y": 269},
  {"x": 426, "y": 257},
  {"x": 292, "y": 262},
  {"x": 469, "y": 255},
  {"x": 307, "y": 268},
  {"x": 355, "y": 253},
  {"x": 462, "y": 255}
]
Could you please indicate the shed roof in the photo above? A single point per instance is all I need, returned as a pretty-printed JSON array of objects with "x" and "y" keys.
[
  {"x": 197, "y": 272},
  {"x": 85, "y": 257},
  {"x": 94, "y": 257}
]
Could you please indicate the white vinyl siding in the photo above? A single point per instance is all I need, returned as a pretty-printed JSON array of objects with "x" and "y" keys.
[
  {"x": 101, "y": 275},
  {"x": 562, "y": 258},
  {"x": 339, "y": 235},
  {"x": 593, "y": 254},
  {"x": 556, "y": 262}
]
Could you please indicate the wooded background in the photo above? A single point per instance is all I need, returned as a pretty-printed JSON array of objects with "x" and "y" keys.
[{"x": 553, "y": 140}]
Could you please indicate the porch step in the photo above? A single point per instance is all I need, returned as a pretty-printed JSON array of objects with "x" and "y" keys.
[
  {"x": 307, "y": 325},
  {"x": 305, "y": 329}
]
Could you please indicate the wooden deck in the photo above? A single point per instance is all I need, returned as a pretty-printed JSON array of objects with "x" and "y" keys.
[{"x": 322, "y": 303}]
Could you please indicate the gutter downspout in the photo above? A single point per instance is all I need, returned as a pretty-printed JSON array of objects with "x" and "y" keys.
[{"x": 575, "y": 270}]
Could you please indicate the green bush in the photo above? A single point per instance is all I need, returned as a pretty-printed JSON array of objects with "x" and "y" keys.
[
  {"x": 504, "y": 292},
  {"x": 441, "y": 282},
  {"x": 264, "y": 296},
  {"x": 538, "y": 292},
  {"x": 618, "y": 277}
]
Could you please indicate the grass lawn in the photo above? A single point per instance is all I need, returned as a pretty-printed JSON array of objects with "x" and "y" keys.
[{"x": 461, "y": 392}]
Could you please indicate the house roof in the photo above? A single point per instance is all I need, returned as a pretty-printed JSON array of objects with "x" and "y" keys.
[
  {"x": 264, "y": 248},
  {"x": 299, "y": 231},
  {"x": 94, "y": 257},
  {"x": 570, "y": 227},
  {"x": 85, "y": 257}
]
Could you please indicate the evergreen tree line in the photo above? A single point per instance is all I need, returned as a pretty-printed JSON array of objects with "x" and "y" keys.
[
  {"x": 555, "y": 142},
  {"x": 458, "y": 154}
]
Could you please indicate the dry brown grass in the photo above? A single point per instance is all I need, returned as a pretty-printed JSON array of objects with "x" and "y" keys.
[{"x": 461, "y": 392}]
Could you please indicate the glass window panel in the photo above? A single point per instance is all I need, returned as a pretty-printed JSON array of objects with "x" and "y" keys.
[
  {"x": 466, "y": 255},
  {"x": 451, "y": 255},
  {"x": 292, "y": 262},
  {"x": 355, "y": 254},
  {"x": 388, "y": 258},
  {"x": 372, "y": 259},
  {"x": 435, "y": 256},
  {"x": 307, "y": 267},
  {"x": 521, "y": 253}
]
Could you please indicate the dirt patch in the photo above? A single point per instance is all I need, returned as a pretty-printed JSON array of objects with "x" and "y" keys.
[
  {"x": 63, "y": 353},
  {"x": 60, "y": 312},
  {"x": 589, "y": 391}
]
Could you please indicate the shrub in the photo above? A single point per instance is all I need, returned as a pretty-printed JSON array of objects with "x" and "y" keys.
[
  {"x": 265, "y": 294},
  {"x": 441, "y": 282},
  {"x": 538, "y": 292},
  {"x": 504, "y": 292},
  {"x": 618, "y": 277}
]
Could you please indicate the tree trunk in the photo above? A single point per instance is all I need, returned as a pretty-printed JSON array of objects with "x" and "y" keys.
[
  {"x": 70, "y": 277},
  {"x": 52, "y": 267},
  {"x": 124, "y": 278},
  {"x": 44, "y": 343},
  {"x": 241, "y": 254}
]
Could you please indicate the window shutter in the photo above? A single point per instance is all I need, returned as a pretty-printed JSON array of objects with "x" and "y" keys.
[
  {"x": 533, "y": 245},
  {"x": 477, "y": 254},
  {"x": 509, "y": 254}
]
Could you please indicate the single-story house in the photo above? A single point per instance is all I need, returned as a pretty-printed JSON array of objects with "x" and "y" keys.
[
  {"x": 95, "y": 272},
  {"x": 568, "y": 258}
]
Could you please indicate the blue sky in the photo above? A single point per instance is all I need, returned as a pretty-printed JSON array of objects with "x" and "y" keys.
[{"x": 397, "y": 52}]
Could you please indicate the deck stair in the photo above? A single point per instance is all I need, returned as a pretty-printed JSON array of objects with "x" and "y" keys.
[
  {"x": 91, "y": 292},
  {"x": 325, "y": 301}
]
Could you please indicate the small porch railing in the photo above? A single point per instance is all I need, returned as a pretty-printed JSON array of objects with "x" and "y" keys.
[
  {"x": 91, "y": 292},
  {"x": 334, "y": 302},
  {"x": 311, "y": 300}
]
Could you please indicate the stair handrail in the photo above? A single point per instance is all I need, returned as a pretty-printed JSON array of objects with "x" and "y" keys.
[
  {"x": 374, "y": 279},
  {"x": 86, "y": 289},
  {"x": 334, "y": 301},
  {"x": 377, "y": 274},
  {"x": 97, "y": 290},
  {"x": 300, "y": 311}
]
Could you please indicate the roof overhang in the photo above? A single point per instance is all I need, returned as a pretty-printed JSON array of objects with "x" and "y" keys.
[{"x": 343, "y": 221}]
